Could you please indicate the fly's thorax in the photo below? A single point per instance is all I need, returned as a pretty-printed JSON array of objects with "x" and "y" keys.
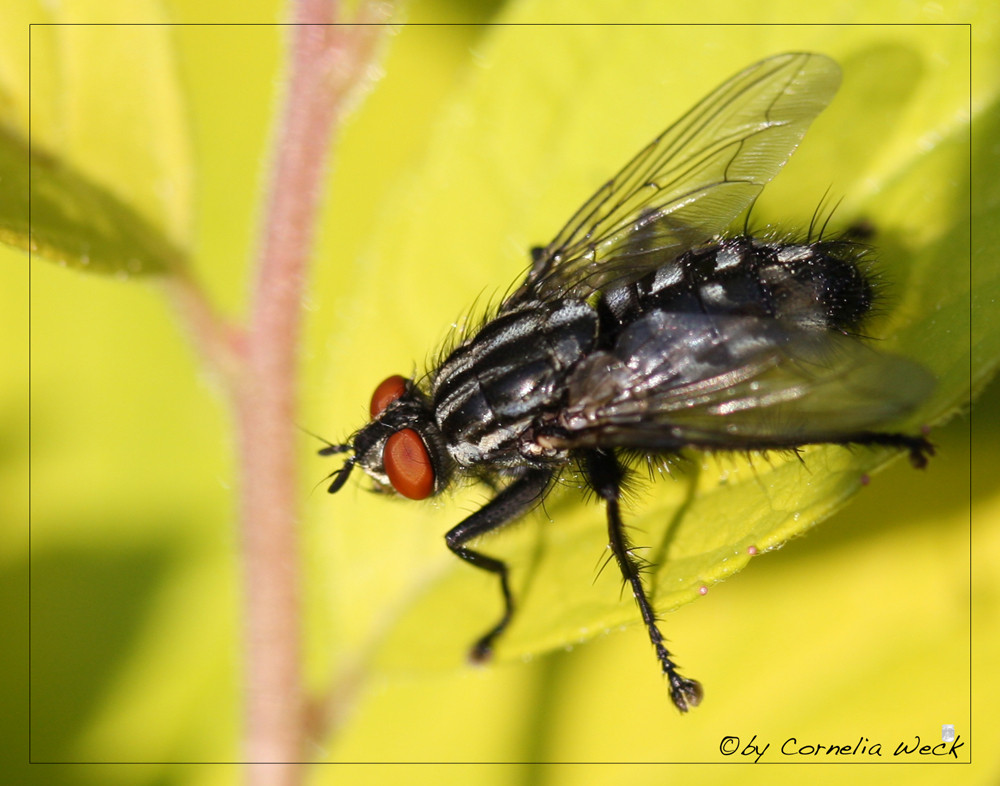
[
  {"x": 493, "y": 387},
  {"x": 821, "y": 284}
]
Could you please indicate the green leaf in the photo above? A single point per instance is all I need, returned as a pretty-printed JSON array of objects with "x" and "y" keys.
[
  {"x": 74, "y": 221},
  {"x": 110, "y": 163},
  {"x": 547, "y": 116}
]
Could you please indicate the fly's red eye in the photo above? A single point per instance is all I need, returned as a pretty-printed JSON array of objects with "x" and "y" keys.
[
  {"x": 408, "y": 464},
  {"x": 388, "y": 391}
]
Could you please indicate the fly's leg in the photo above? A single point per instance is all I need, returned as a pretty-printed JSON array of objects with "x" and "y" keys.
[
  {"x": 605, "y": 475},
  {"x": 511, "y": 503},
  {"x": 920, "y": 449}
]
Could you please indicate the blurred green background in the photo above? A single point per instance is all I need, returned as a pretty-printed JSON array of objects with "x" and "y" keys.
[{"x": 867, "y": 628}]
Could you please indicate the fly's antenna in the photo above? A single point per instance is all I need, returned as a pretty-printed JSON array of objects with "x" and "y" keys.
[
  {"x": 331, "y": 449},
  {"x": 339, "y": 476}
]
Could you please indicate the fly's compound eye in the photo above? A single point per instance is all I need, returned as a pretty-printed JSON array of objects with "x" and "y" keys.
[
  {"x": 407, "y": 462},
  {"x": 389, "y": 390}
]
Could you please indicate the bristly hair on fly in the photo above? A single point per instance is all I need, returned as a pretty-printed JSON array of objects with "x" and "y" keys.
[
  {"x": 647, "y": 328},
  {"x": 483, "y": 308}
]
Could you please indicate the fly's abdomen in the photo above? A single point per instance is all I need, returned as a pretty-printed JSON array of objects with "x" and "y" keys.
[
  {"x": 819, "y": 285},
  {"x": 488, "y": 391}
]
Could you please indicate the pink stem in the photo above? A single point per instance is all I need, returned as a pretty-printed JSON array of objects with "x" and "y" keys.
[{"x": 327, "y": 63}]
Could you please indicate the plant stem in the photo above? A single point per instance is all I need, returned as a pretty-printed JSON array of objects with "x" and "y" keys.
[{"x": 327, "y": 64}]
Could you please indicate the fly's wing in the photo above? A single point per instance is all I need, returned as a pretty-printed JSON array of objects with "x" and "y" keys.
[
  {"x": 689, "y": 183},
  {"x": 735, "y": 382}
]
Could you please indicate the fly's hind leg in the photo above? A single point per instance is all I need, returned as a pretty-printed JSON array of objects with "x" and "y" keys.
[
  {"x": 605, "y": 475},
  {"x": 511, "y": 503},
  {"x": 919, "y": 448}
]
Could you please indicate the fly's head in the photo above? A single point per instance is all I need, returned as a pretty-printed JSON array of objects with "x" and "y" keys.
[{"x": 401, "y": 448}]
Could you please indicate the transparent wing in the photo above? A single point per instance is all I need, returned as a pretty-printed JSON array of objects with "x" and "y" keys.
[
  {"x": 736, "y": 382},
  {"x": 689, "y": 183}
]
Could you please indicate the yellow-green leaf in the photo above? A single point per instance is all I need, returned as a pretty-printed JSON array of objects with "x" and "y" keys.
[
  {"x": 110, "y": 161},
  {"x": 72, "y": 220}
]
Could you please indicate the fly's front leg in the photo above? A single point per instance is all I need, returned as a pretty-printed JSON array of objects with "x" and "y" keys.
[
  {"x": 605, "y": 475},
  {"x": 511, "y": 503}
]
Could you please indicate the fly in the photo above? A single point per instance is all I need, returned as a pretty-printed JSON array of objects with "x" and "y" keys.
[{"x": 643, "y": 329}]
